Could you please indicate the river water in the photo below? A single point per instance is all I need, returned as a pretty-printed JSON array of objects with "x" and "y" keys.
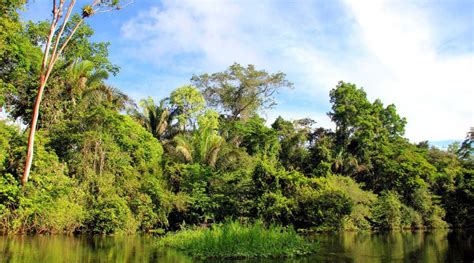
[{"x": 432, "y": 246}]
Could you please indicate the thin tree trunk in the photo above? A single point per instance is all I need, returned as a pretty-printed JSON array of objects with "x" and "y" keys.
[
  {"x": 43, "y": 78},
  {"x": 46, "y": 68},
  {"x": 31, "y": 138}
]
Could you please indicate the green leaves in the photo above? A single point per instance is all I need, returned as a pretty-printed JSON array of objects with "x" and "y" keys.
[
  {"x": 188, "y": 101},
  {"x": 257, "y": 138},
  {"x": 387, "y": 211}
]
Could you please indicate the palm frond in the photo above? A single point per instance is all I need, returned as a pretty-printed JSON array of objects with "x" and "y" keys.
[
  {"x": 185, "y": 152},
  {"x": 213, "y": 153},
  {"x": 163, "y": 123},
  {"x": 183, "y": 148},
  {"x": 213, "y": 147}
]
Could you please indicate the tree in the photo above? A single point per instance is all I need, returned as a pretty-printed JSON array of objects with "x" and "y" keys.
[
  {"x": 108, "y": 96},
  {"x": 205, "y": 145},
  {"x": 155, "y": 118},
  {"x": 466, "y": 151},
  {"x": 81, "y": 76},
  {"x": 19, "y": 57},
  {"x": 55, "y": 44},
  {"x": 82, "y": 61},
  {"x": 321, "y": 154},
  {"x": 293, "y": 140},
  {"x": 187, "y": 102},
  {"x": 364, "y": 130},
  {"x": 117, "y": 164},
  {"x": 240, "y": 92},
  {"x": 257, "y": 138}
]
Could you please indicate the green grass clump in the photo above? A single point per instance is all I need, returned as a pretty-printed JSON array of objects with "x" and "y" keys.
[{"x": 234, "y": 240}]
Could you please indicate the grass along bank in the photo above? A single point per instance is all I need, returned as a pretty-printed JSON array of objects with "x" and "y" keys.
[{"x": 236, "y": 240}]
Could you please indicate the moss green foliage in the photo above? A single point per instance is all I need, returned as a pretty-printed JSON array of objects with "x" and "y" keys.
[
  {"x": 236, "y": 240},
  {"x": 203, "y": 155}
]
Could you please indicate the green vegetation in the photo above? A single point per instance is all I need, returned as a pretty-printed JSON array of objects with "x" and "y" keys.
[
  {"x": 234, "y": 240},
  {"x": 203, "y": 155}
]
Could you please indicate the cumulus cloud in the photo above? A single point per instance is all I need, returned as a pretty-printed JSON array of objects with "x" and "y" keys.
[
  {"x": 433, "y": 91},
  {"x": 390, "y": 48}
]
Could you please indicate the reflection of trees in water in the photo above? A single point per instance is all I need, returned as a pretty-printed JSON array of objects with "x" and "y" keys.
[
  {"x": 461, "y": 246},
  {"x": 403, "y": 246},
  {"x": 435, "y": 246},
  {"x": 84, "y": 249}
]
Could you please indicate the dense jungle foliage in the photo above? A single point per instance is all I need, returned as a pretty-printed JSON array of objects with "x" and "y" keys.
[{"x": 104, "y": 164}]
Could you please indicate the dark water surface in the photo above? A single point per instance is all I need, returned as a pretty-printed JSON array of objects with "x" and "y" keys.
[{"x": 434, "y": 246}]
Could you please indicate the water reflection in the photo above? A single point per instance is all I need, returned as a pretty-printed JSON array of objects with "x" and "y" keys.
[
  {"x": 435, "y": 246},
  {"x": 84, "y": 249}
]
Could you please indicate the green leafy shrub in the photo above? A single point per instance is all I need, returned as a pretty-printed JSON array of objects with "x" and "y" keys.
[
  {"x": 233, "y": 194},
  {"x": 110, "y": 214},
  {"x": 360, "y": 216},
  {"x": 387, "y": 211},
  {"x": 322, "y": 209},
  {"x": 411, "y": 218},
  {"x": 432, "y": 215},
  {"x": 192, "y": 182},
  {"x": 274, "y": 191},
  {"x": 117, "y": 163}
]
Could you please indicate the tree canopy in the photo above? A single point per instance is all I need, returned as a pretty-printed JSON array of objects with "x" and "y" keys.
[{"x": 240, "y": 92}]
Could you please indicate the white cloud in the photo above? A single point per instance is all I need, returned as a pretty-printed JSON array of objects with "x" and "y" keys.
[
  {"x": 387, "y": 47},
  {"x": 209, "y": 30},
  {"x": 432, "y": 91}
]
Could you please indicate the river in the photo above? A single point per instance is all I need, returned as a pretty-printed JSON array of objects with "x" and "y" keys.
[{"x": 420, "y": 246}]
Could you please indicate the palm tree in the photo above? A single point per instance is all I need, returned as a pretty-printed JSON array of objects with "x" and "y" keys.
[
  {"x": 184, "y": 147},
  {"x": 155, "y": 118},
  {"x": 81, "y": 75},
  {"x": 108, "y": 96},
  {"x": 346, "y": 163},
  {"x": 85, "y": 84},
  {"x": 204, "y": 146}
]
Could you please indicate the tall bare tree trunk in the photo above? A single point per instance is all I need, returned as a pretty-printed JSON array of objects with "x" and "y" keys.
[{"x": 31, "y": 137}]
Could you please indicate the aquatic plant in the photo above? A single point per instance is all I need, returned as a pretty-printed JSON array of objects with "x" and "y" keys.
[{"x": 235, "y": 240}]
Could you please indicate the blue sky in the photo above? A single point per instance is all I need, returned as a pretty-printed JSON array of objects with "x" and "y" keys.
[{"x": 418, "y": 55}]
